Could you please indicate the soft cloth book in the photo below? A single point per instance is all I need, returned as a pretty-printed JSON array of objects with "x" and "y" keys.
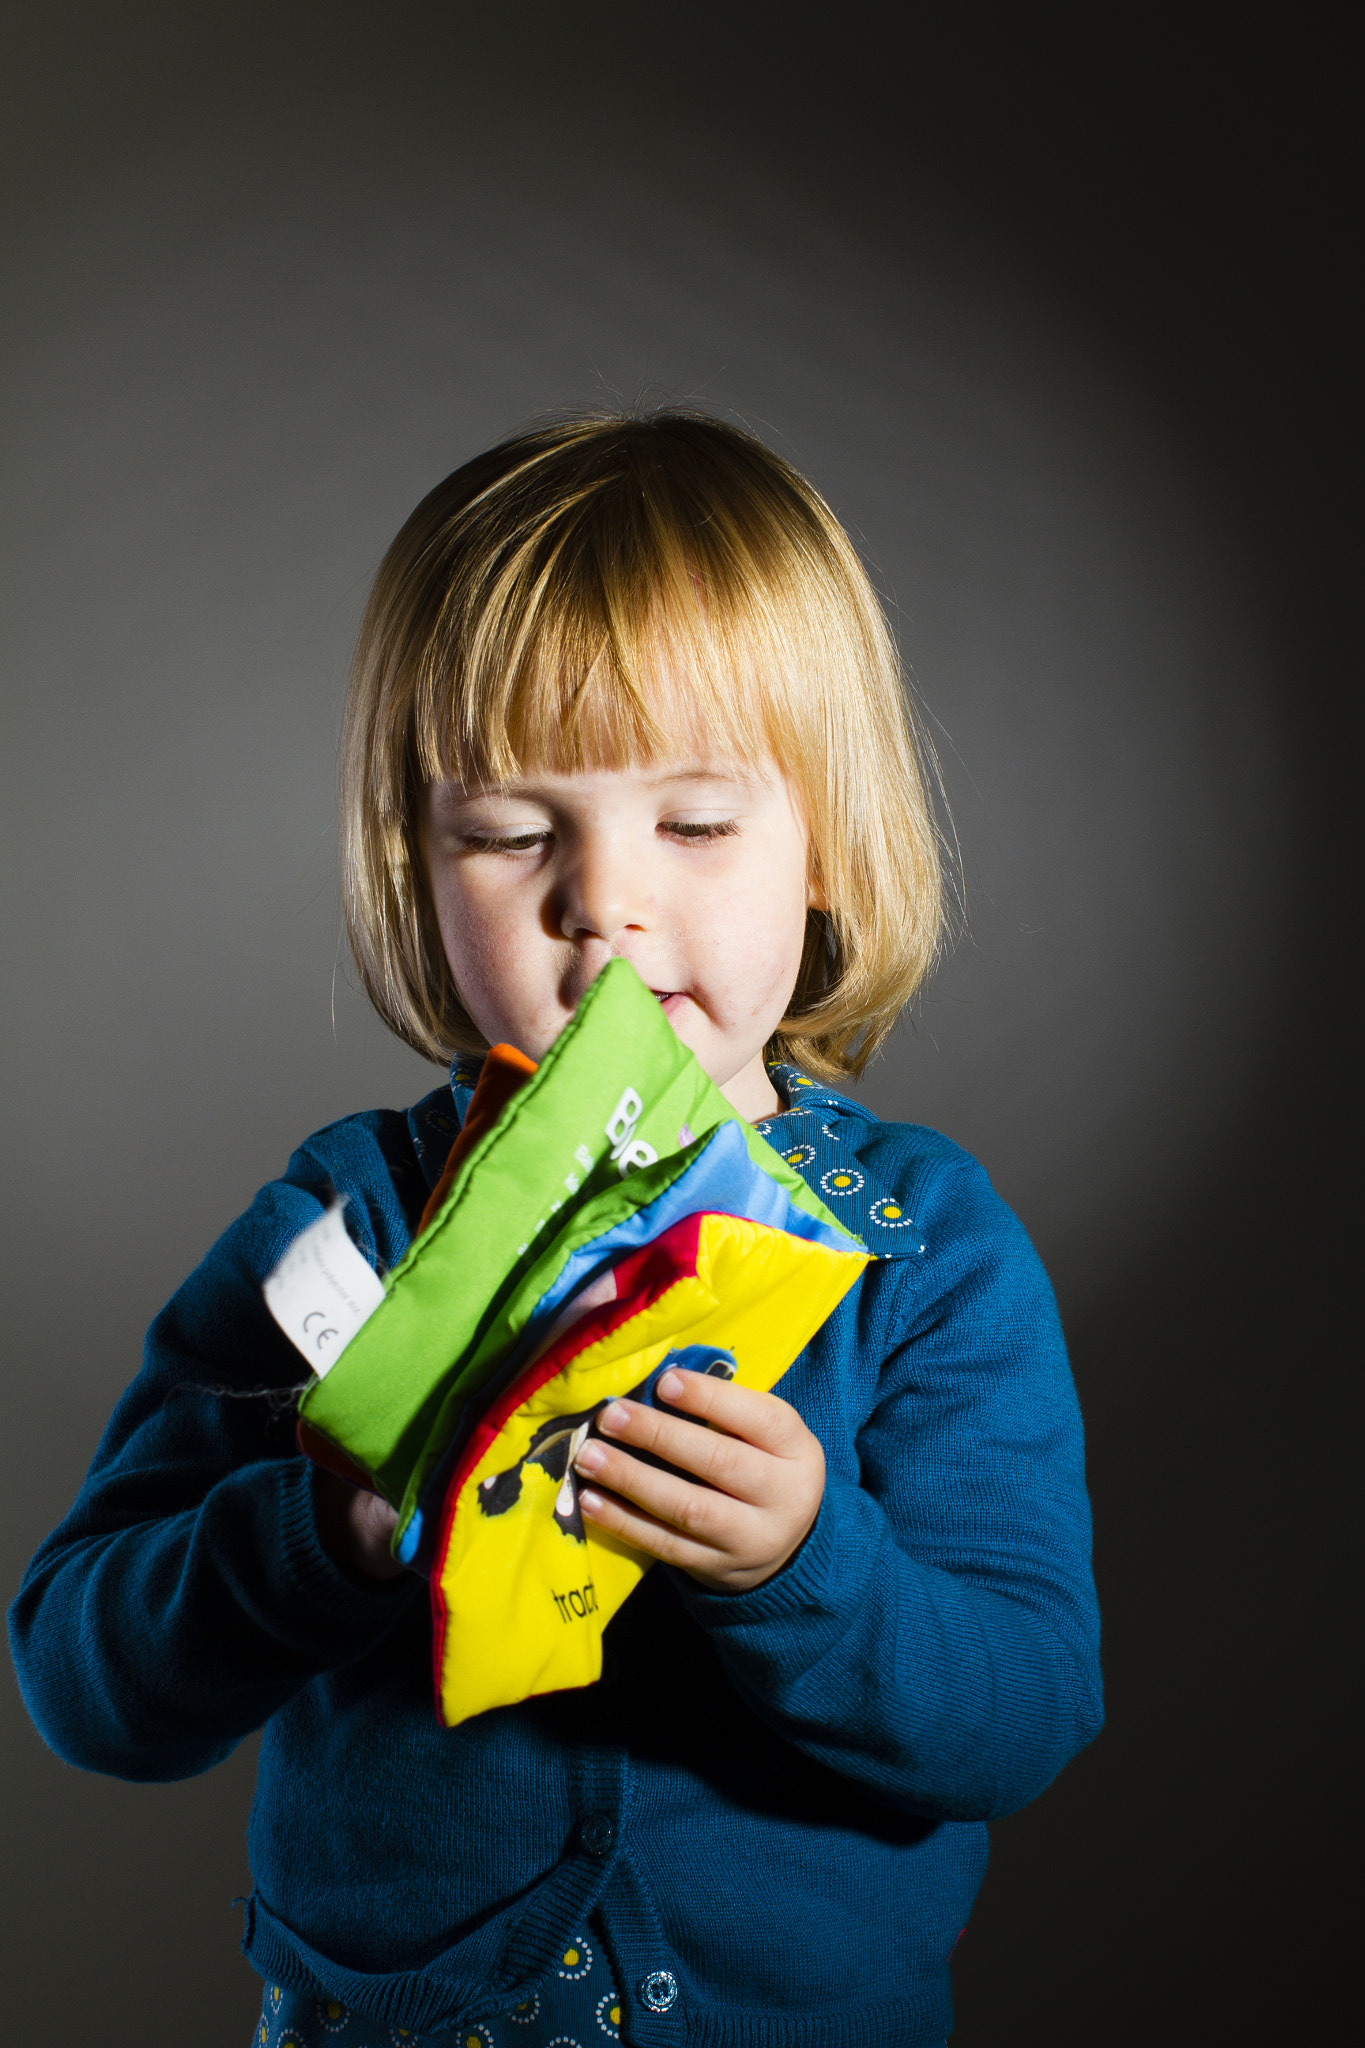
[{"x": 604, "y": 1214}]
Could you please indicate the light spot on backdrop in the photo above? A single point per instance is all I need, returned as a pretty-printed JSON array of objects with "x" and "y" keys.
[{"x": 227, "y": 392}]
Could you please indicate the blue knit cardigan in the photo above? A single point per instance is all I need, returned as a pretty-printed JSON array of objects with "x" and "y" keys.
[{"x": 773, "y": 1802}]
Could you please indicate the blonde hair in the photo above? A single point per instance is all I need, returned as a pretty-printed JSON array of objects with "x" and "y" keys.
[{"x": 602, "y": 592}]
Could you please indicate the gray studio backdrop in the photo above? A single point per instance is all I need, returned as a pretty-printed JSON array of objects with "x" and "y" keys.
[{"x": 246, "y": 329}]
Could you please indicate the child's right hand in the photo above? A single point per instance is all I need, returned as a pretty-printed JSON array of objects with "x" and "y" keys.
[{"x": 356, "y": 1528}]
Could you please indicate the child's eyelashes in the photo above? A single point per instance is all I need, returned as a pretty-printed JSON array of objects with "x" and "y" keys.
[
  {"x": 686, "y": 828},
  {"x": 511, "y": 842}
]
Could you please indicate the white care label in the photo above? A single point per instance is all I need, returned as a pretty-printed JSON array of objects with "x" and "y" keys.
[{"x": 322, "y": 1291}]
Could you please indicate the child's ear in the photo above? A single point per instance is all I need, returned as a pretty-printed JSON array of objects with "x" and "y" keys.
[{"x": 816, "y": 898}]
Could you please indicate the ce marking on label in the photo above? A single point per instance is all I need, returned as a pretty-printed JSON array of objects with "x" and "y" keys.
[{"x": 315, "y": 1315}]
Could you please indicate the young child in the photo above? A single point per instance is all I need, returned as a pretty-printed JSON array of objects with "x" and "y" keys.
[{"x": 622, "y": 689}]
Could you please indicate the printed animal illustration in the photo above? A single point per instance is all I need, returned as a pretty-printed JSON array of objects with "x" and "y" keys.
[{"x": 554, "y": 1446}]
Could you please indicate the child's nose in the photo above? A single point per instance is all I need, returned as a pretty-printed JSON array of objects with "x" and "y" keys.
[{"x": 601, "y": 895}]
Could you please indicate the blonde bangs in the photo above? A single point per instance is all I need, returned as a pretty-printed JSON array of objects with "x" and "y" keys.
[
  {"x": 622, "y": 629},
  {"x": 611, "y": 593}
]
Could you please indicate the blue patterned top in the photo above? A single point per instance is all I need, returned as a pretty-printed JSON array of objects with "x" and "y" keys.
[{"x": 774, "y": 1802}]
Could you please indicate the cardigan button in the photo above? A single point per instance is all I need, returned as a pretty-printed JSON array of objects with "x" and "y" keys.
[
  {"x": 659, "y": 1990},
  {"x": 597, "y": 1833}
]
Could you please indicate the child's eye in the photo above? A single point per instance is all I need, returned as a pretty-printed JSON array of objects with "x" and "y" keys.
[
  {"x": 685, "y": 828},
  {"x": 518, "y": 842}
]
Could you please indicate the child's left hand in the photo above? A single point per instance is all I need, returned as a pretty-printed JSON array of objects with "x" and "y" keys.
[{"x": 762, "y": 1475}]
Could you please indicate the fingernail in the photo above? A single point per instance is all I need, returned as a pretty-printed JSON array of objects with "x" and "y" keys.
[
  {"x": 614, "y": 1416},
  {"x": 670, "y": 1385},
  {"x": 589, "y": 1500},
  {"x": 591, "y": 1458}
]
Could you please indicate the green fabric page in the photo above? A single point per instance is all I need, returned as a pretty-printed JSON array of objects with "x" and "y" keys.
[{"x": 540, "y": 1183}]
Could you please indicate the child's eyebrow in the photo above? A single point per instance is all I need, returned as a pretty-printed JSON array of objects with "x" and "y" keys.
[{"x": 743, "y": 778}]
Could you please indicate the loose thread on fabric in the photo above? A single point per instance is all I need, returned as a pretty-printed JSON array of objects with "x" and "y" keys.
[{"x": 277, "y": 1399}]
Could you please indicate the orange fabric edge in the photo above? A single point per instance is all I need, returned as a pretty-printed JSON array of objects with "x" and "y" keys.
[{"x": 504, "y": 1071}]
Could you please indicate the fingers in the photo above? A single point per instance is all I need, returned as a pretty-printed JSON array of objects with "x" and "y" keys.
[
  {"x": 663, "y": 1540},
  {"x": 740, "y": 1503},
  {"x": 356, "y": 1528},
  {"x": 732, "y": 1463},
  {"x": 374, "y": 1518},
  {"x": 702, "y": 1512},
  {"x": 373, "y": 1522},
  {"x": 761, "y": 1419}
]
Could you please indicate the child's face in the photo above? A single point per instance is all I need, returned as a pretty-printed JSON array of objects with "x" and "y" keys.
[{"x": 695, "y": 872}]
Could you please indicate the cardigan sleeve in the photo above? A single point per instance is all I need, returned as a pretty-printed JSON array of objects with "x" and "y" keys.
[
  {"x": 936, "y": 1638},
  {"x": 187, "y": 1595}
]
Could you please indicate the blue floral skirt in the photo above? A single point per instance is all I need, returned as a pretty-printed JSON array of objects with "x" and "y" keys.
[{"x": 574, "y": 2006}]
